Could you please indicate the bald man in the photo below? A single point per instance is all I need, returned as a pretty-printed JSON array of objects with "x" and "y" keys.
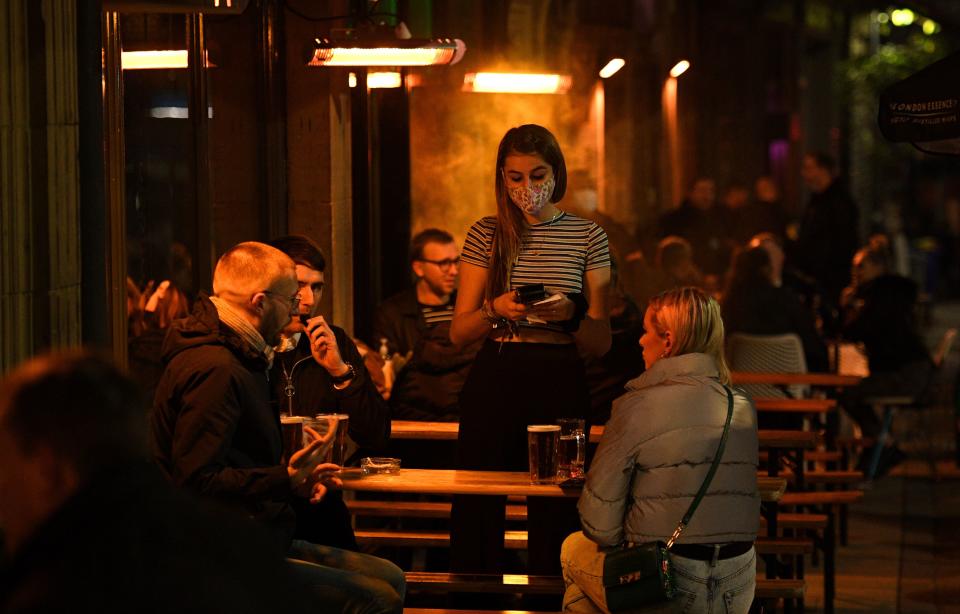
[{"x": 215, "y": 432}]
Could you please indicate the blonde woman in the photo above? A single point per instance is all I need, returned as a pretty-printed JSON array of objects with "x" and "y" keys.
[
  {"x": 657, "y": 448},
  {"x": 529, "y": 369}
]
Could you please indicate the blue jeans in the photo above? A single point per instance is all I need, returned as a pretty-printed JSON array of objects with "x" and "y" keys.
[
  {"x": 711, "y": 587},
  {"x": 348, "y": 582}
]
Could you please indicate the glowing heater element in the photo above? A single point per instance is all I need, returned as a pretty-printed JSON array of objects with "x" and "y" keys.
[
  {"x": 612, "y": 67},
  {"x": 516, "y": 83},
  {"x": 157, "y": 59},
  {"x": 398, "y": 52},
  {"x": 679, "y": 68}
]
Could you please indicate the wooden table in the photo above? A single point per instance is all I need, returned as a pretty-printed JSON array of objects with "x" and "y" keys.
[
  {"x": 795, "y": 406},
  {"x": 463, "y": 482},
  {"x": 447, "y": 431},
  {"x": 827, "y": 380}
]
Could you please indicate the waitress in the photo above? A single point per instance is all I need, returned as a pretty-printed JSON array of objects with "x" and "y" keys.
[{"x": 529, "y": 370}]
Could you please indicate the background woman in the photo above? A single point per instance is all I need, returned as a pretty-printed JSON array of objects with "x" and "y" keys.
[
  {"x": 527, "y": 372},
  {"x": 656, "y": 450}
]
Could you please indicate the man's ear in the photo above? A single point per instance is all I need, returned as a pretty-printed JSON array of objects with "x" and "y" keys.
[
  {"x": 417, "y": 267},
  {"x": 258, "y": 302}
]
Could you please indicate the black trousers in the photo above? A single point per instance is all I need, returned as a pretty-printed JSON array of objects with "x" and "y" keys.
[{"x": 512, "y": 385}]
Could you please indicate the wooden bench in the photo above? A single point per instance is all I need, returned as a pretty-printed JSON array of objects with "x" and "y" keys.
[
  {"x": 767, "y": 590},
  {"x": 798, "y": 522}
]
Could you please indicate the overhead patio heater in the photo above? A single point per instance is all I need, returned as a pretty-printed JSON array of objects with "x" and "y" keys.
[{"x": 386, "y": 52}]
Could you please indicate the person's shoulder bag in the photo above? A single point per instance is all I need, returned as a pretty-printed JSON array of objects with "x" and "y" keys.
[{"x": 642, "y": 575}]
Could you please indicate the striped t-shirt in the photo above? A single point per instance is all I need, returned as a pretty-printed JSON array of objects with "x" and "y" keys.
[
  {"x": 556, "y": 253},
  {"x": 435, "y": 314}
]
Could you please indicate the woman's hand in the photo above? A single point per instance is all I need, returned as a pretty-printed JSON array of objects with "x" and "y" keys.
[
  {"x": 506, "y": 306},
  {"x": 558, "y": 310}
]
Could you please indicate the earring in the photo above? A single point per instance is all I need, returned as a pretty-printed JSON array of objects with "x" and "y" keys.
[{"x": 663, "y": 354}]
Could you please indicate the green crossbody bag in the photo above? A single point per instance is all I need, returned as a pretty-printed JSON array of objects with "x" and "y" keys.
[{"x": 642, "y": 575}]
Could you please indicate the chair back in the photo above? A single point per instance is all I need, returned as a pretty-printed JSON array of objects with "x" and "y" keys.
[
  {"x": 943, "y": 348},
  {"x": 768, "y": 354}
]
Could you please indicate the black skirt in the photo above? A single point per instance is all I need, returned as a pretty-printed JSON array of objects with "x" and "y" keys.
[{"x": 510, "y": 386}]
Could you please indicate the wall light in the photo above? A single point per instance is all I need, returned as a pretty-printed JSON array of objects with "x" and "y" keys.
[
  {"x": 376, "y": 80},
  {"x": 902, "y": 17},
  {"x": 679, "y": 68},
  {"x": 158, "y": 58},
  {"x": 516, "y": 83},
  {"x": 612, "y": 67},
  {"x": 392, "y": 52}
]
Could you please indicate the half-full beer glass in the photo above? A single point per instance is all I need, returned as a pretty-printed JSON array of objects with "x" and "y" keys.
[
  {"x": 573, "y": 444},
  {"x": 338, "y": 451},
  {"x": 542, "y": 441}
]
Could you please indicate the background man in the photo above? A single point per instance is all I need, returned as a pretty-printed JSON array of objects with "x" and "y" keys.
[
  {"x": 326, "y": 377},
  {"x": 828, "y": 231},
  {"x": 92, "y": 526},
  {"x": 700, "y": 221},
  {"x": 416, "y": 323},
  {"x": 215, "y": 431}
]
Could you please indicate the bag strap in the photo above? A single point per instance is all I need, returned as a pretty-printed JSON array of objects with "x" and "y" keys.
[{"x": 706, "y": 481}]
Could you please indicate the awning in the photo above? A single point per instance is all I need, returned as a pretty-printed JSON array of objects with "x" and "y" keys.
[{"x": 924, "y": 108}]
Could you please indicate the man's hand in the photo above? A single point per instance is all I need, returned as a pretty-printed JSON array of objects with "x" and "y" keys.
[
  {"x": 326, "y": 479},
  {"x": 323, "y": 346},
  {"x": 306, "y": 467}
]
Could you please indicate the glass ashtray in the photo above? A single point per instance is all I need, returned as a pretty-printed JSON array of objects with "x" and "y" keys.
[{"x": 379, "y": 464}]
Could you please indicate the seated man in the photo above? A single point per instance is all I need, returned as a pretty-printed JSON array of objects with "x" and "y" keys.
[
  {"x": 90, "y": 523},
  {"x": 216, "y": 433},
  {"x": 327, "y": 377},
  {"x": 416, "y": 323},
  {"x": 879, "y": 310}
]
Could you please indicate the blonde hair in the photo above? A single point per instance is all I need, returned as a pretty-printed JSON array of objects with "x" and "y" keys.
[
  {"x": 251, "y": 267},
  {"x": 694, "y": 319}
]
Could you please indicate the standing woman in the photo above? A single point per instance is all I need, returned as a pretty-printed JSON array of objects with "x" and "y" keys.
[
  {"x": 527, "y": 372},
  {"x": 657, "y": 448}
]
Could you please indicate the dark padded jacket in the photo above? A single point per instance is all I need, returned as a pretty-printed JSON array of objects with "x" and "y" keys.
[{"x": 213, "y": 428}]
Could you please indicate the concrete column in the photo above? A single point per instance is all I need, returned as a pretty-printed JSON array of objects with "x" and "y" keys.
[{"x": 39, "y": 196}]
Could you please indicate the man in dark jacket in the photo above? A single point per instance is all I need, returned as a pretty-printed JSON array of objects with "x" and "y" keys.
[
  {"x": 310, "y": 379},
  {"x": 90, "y": 523},
  {"x": 880, "y": 313},
  {"x": 700, "y": 221},
  {"x": 416, "y": 325},
  {"x": 828, "y": 230},
  {"x": 215, "y": 431}
]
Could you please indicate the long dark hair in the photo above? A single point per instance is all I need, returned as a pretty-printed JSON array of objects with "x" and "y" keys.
[
  {"x": 751, "y": 270},
  {"x": 527, "y": 139}
]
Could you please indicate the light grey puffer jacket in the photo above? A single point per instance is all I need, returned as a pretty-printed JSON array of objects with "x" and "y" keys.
[{"x": 656, "y": 450}]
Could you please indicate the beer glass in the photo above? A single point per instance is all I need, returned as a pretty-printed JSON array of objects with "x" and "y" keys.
[
  {"x": 291, "y": 431},
  {"x": 573, "y": 448},
  {"x": 338, "y": 450},
  {"x": 542, "y": 440}
]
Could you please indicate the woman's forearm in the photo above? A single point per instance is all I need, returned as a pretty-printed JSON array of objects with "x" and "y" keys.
[{"x": 468, "y": 327}]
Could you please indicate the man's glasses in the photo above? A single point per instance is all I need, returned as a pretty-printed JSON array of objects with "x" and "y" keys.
[
  {"x": 444, "y": 264},
  {"x": 293, "y": 301}
]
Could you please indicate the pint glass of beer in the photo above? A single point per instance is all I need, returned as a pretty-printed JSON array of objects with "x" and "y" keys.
[
  {"x": 291, "y": 429},
  {"x": 542, "y": 442}
]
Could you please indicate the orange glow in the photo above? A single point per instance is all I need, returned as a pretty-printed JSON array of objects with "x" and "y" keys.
[
  {"x": 672, "y": 134},
  {"x": 157, "y": 58},
  {"x": 679, "y": 68},
  {"x": 429, "y": 52},
  {"x": 612, "y": 67},
  {"x": 516, "y": 83},
  {"x": 384, "y": 80}
]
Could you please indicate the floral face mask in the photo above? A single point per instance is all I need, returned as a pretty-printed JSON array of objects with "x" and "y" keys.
[{"x": 532, "y": 198}]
